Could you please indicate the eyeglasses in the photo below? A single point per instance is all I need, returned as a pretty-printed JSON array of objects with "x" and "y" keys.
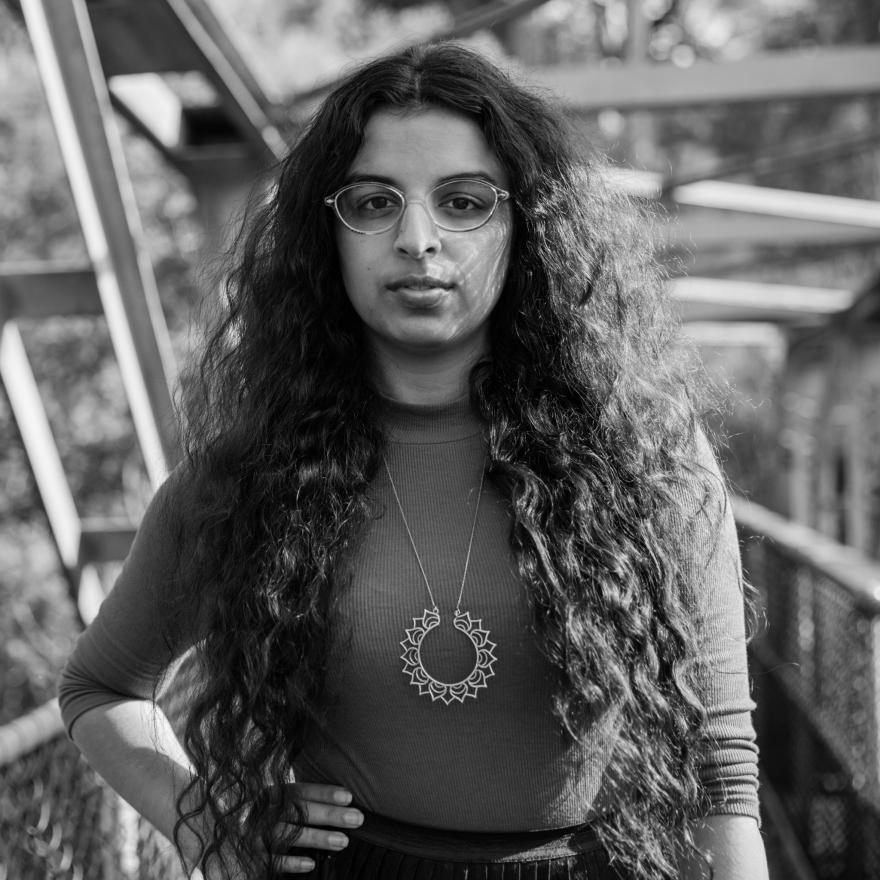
[{"x": 457, "y": 205}]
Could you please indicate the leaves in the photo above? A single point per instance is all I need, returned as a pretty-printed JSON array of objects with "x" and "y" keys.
[{"x": 294, "y": 45}]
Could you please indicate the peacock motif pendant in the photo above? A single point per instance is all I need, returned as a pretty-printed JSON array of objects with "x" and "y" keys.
[{"x": 448, "y": 692}]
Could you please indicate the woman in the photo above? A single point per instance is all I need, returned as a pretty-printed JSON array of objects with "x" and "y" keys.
[{"x": 455, "y": 556}]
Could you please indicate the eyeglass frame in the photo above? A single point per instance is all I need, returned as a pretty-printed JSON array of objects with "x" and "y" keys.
[{"x": 501, "y": 195}]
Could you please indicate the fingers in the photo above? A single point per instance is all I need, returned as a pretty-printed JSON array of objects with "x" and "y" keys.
[
  {"x": 310, "y": 838},
  {"x": 325, "y": 805},
  {"x": 325, "y": 808},
  {"x": 294, "y": 864},
  {"x": 324, "y": 794},
  {"x": 333, "y": 817},
  {"x": 313, "y": 838}
]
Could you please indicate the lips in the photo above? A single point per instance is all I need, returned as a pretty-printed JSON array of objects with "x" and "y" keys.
[{"x": 419, "y": 282}]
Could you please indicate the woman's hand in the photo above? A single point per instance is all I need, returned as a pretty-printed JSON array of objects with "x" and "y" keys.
[{"x": 326, "y": 809}]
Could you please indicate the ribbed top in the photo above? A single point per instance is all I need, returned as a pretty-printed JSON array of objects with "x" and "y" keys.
[
  {"x": 494, "y": 761},
  {"x": 430, "y": 423}
]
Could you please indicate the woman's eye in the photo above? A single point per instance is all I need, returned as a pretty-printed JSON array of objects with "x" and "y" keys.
[
  {"x": 376, "y": 203},
  {"x": 460, "y": 203}
]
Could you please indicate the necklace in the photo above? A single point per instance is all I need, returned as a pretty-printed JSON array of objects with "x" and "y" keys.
[{"x": 456, "y": 691}]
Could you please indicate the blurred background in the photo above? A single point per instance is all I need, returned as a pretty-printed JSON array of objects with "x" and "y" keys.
[{"x": 131, "y": 131}]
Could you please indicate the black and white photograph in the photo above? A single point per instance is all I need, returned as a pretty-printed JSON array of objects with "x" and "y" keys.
[{"x": 440, "y": 439}]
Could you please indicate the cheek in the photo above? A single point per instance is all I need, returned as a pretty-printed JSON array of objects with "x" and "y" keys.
[
  {"x": 355, "y": 264},
  {"x": 348, "y": 258},
  {"x": 485, "y": 264}
]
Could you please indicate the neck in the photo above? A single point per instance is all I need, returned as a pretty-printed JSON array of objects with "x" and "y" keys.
[{"x": 417, "y": 378}]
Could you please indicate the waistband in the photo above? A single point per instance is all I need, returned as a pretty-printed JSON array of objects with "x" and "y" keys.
[{"x": 476, "y": 846}]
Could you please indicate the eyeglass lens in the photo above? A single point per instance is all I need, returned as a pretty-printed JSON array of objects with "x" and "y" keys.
[{"x": 457, "y": 205}]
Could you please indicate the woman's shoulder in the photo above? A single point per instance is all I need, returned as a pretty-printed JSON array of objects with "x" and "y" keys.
[
  {"x": 177, "y": 495},
  {"x": 170, "y": 511},
  {"x": 699, "y": 505}
]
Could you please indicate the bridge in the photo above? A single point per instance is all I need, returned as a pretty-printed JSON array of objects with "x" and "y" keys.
[{"x": 815, "y": 662}]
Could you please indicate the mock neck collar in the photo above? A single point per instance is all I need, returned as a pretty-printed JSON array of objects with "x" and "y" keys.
[{"x": 430, "y": 423}]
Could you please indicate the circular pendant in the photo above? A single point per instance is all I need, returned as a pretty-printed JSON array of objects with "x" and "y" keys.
[{"x": 447, "y": 692}]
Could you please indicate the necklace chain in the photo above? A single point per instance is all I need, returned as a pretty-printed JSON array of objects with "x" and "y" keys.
[{"x": 413, "y": 543}]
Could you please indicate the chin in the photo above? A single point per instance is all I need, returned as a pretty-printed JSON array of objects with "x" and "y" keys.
[
  {"x": 421, "y": 332},
  {"x": 425, "y": 342}
]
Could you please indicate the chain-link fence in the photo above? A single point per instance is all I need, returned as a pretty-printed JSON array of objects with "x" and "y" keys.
[
  {"x": 817, "y": 666},
  {"x": 60, "y": 821},
  {"x": 817, "y": 678}
]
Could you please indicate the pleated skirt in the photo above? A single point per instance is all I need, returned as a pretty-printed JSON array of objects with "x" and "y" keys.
[{"x": 383, "y": 849}]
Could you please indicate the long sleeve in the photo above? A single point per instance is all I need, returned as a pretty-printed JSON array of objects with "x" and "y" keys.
[
  {"x": 126, "y": 649},
  {"x": 729, "y": 755}
]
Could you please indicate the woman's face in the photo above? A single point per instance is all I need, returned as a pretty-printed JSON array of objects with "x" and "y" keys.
[{"x": 418, "y": 288}]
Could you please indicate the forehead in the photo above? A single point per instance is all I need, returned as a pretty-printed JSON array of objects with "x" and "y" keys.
[{"x": 423, "y": 146}]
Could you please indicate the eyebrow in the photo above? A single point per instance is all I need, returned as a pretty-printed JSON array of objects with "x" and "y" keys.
[{"x": 381, "y": 178}]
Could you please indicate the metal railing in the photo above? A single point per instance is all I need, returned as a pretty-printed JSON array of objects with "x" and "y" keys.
[
  {"x": 816, "y": 669},
  {"x": 60, "y": 820},
  {"x": 56, "y": 818}
]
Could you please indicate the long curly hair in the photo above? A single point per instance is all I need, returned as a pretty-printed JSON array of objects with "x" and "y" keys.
[{"x": 592, "y": 438}]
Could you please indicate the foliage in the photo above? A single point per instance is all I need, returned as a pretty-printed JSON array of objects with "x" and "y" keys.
[
  {"x": 74, "y": 366},
  {"x": 293, "y": 45}
]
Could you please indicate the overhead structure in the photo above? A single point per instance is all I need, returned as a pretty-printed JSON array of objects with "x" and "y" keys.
[
  {"x": 96, "y": 54},
  {"x": 838, "y": 72},
  {"x": 715, "y": 224},
  {"x": 77, "y": 96},
  {"x": 77, "y": 46},
  {"x": 713, "y": 299}
]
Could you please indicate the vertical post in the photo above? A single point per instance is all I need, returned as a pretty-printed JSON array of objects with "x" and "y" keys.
[
  {"x": 222, "y": 183},
  {"x": 858, "y": 452},
  {"x": 873, "y": 674},
  {"x": 637, "y": 32},
  {"x": 640, "y": 124},
  {"x": 76, "y": 92},
  {"x": 39, "y": 444},
  {"x": 83, "y": 580}
]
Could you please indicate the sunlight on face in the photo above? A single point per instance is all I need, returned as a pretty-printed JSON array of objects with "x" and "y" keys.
[{"x": 419, "y": 288}]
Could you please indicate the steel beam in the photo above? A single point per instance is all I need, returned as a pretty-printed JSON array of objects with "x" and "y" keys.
[
  {"x": 152, "y": 108},
  {"x": 724, "y": 196},
  {"x": 220, "y": 34},
  {"x": 245, "y": 105},
  {"x": 488, "y": 16},
  {"x": 80, "y": 106},
  {"x": 746, "y": 197},
  {"x": 785, "y": 157},
  {"x": 638, "y": 32},
  {"x": 699, "y": 231},
  {"x": 39, "y": 444},
  {"x": 785, "y": 74},
  {"x": 491, "y": 15},
  {"x": 42, "y": 290},
  {"x": 20, "y": 737},
  {"x": 712, "y": 299},
  {"x": 164, "y": 36},
  {"x": 105, "y": 540},
  {"x": 857, "y": 575},
  {"x": 223, "y": 181},
  {"x": 735, "y": 334},
  {"x": 83, "y": 581}
]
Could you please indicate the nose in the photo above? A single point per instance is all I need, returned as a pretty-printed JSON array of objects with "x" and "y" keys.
[{"x": 417, "y": 233}]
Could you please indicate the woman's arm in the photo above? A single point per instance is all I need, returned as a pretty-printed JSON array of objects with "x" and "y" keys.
[
  {"x": 107, "y": 688},
  {"x": 735, "y": 846},
  {"x": 729, "y": 759},
  {"x": 132, "y": 746}
]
